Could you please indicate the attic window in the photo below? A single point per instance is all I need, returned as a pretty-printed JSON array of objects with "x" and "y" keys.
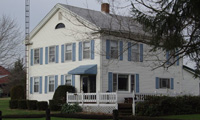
[{"x": 60, "y": 25}]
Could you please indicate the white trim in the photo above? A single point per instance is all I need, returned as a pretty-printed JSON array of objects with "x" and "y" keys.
[
  {"x": 54, "y": 54},
  {"x": 65, "y": 52}
]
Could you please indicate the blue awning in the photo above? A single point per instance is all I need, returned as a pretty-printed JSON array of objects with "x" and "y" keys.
[{"x": 84, "y": 69}]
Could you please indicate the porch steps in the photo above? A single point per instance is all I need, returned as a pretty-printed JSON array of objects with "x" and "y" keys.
[{"x": 125, "y": 109}]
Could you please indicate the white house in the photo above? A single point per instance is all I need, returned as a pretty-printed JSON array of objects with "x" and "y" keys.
[{"x": 71, "y": 45}]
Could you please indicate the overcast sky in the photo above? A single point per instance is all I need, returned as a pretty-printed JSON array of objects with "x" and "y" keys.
[{"x": 39, "y": 9}]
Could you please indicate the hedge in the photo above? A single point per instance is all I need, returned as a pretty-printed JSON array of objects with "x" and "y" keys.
[
  {"x": 13, "y": 104},
  {"x": 157, "y": 106},
  {"x": 22, "y": 104},
  {"x": 42, "y": 105},
  {"x": 32, "y": 104}
]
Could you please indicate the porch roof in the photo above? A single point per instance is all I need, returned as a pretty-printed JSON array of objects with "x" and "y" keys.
[{"x": 84, "y": 69}]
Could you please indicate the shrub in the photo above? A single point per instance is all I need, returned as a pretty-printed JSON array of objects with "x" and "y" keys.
[
  {"x": 42, "y": 105},
  {"x": 32, "y": 104},
  {"x": 60, "y": 93},
  {"x": 17, "y": 93},
  {"x": 54, "y": 105},
  {"x": 22, "y": 104},
  {"x": 156, "y": 106},
  {"x": 13, "y": 104},
  {"x": 66, "y": 108}
]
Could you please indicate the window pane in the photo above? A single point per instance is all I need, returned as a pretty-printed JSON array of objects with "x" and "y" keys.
[
  {"x": 51, "y": 83},
  {"x": 114, "y": 82},
  {"x": 123, "y": 82},
  {"x": 68, "y": 52},
  {"x": 114, "y": 49},
  {"x": 132, "y": 83},
  {"x": 36, "y": 56},
  {"x": 164, "y": 83},
  {"x": 86, "y": 50},
  {"x": 36, "y": 84},
  {"x": 135, "y": 52},
  {"x": 68, "y": 79}
]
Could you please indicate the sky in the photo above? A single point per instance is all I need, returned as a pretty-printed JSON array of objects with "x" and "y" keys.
[{"x": 15, "y": 9}]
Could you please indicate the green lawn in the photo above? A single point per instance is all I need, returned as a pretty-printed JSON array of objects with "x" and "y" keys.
[
  {"x": 184, "y": 117},
  {"x": 4, "y": 107},
  {"x": 53, "y": 118}
]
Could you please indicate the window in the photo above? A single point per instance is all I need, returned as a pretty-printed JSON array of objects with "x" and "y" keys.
[
  {"x": 172, "y": 58},
  {"x": 36, "y": 56},
  {"x": 68, "y": 52},
  {"x": 52, "y": 54},
  {"x": 123, "y": 82},
  {"x": 68, "y": 80},
  {"x": 120, "y": 82},
  {"x": 51, "y": 83},
  {"x": 36, "y": 84},
  {"x": 135, "y": 52},
  {"x": 114, "y": 49},
  {"x": 132, "y": 83},
  {"x": 164, "y": 82},
  {"x": 86, "y": 50},
  {"x": 60, "y": 25}
]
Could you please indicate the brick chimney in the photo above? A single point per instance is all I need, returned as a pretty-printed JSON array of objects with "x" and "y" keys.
[{"x": 105, "y": 7}]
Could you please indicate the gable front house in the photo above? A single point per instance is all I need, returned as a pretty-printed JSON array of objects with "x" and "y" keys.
[{"x": 63, "y": 50}]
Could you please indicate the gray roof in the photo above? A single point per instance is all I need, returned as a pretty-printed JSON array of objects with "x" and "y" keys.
[
  {"x": 107, "y": 21},
  {"x": 2, "y": 76}
]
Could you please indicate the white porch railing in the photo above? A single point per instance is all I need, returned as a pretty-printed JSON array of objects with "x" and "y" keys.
[
  {"x": 93, "y": 98},
  {"x": 109, "y": 99}
]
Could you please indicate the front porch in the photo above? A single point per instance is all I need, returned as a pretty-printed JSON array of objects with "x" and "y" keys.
[{"x": 107, "y": 102}]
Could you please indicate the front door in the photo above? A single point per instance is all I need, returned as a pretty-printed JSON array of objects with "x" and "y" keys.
[
  {"x": 89, "y": 84},
  {"x": 86, "y": 84}
]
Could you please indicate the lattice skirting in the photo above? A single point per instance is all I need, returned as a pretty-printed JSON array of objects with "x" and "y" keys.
[{"x": 99, "y": 109}]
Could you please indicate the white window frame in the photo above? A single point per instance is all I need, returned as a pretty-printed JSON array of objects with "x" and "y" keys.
[
  {"x": 117, "y": 49},
  {"x": 68, "y": 52},
  {"x": 115, "y": 88},
  {"x": 68, "y": 79},
  {"x": 53, "y": 76},
  {"x": 87, "y": 50},
  {"x": 161, "y": 85},
  {"x": 50, "y": 61},
  {"x": 135, "y": 51},
  {"x": 34, "y": 85},
  {"x": 34, "y": 56}
]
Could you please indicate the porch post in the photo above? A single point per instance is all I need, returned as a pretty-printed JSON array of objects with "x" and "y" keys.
[
  {"x": 97, "y": 98},
  {"x": 133, "y": 105},
  {"x": 82, "y": 97},
  {"x": 67, "y": 97},
  {"x": 116, "y": 103}
]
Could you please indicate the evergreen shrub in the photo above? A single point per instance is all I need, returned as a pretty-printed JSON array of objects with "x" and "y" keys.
[{"x": 17, "y": 92}]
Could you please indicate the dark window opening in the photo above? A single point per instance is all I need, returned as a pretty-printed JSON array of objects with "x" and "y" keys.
[{"x": 60, "y": 25}]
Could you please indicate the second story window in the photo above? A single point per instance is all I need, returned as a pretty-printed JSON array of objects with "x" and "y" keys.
[
  {"x": 68, "y": 52},
  {"x": 135, "y": 52},
  {"x": 36, "y": 84},
  {"x": 114, "y": 49},
  {"x": 52, "y": 54},
  {"x": 68, "y": 80},
  {"x": 36, "y": 56},
  {"x": 86, "y": 50},
  {"x": 51, "y": 83}
]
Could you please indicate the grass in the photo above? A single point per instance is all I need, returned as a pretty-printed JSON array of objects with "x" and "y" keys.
[
  {"x": 52, "y": 118},
  {"x": 4, "y": 107},
  {"x": 184, "y": 117}
]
